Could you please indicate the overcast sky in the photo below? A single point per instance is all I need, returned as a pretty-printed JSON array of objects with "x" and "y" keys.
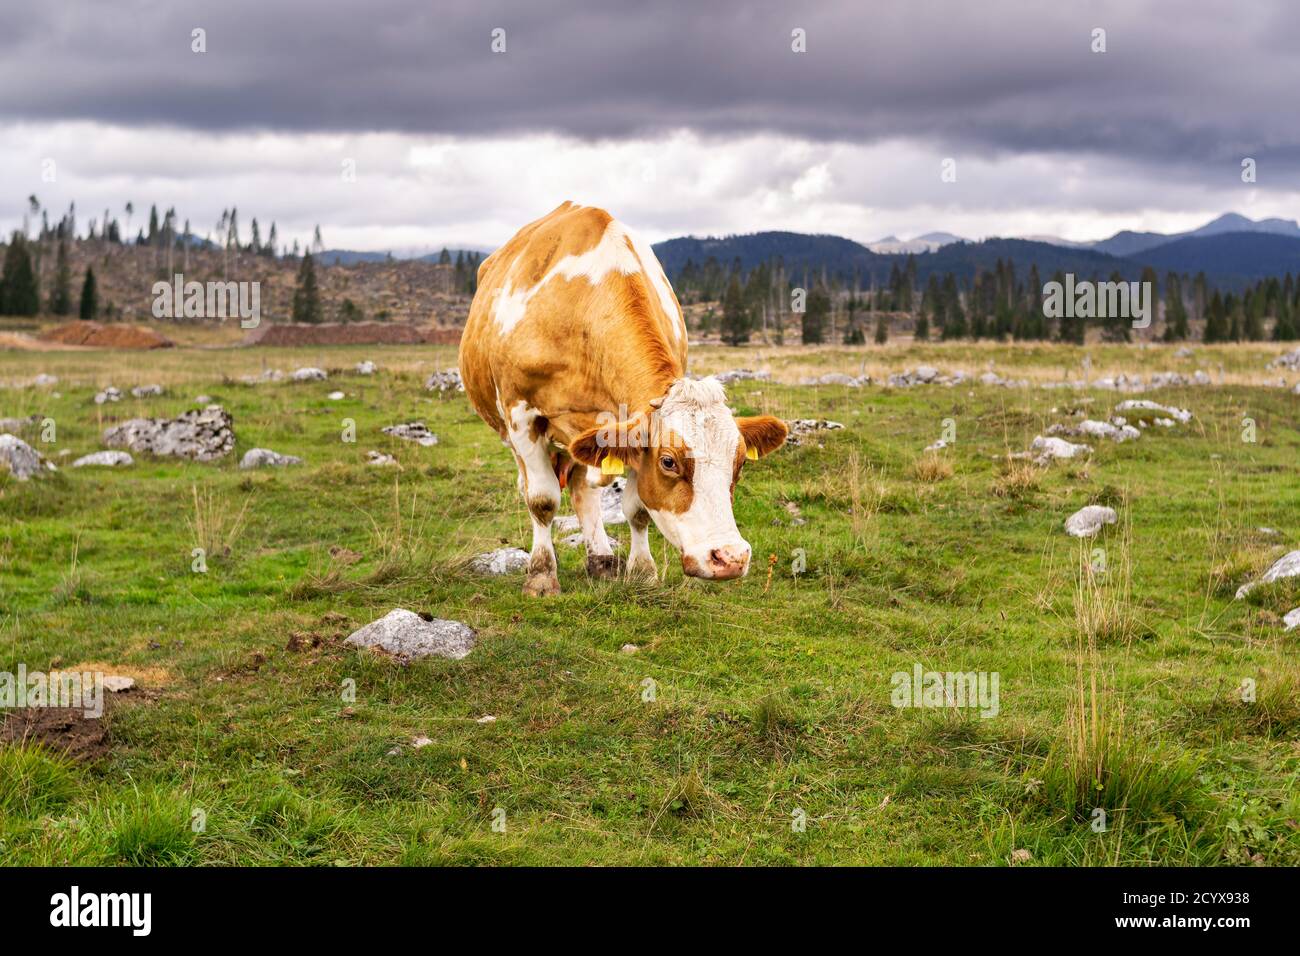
[{"x": 685, "y": 117}]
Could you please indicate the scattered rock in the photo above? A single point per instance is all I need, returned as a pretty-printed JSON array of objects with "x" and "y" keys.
[
  {"x": 611, "y": 509},
  {"x": 1046, "y": 449},
  {"x": 573, "y": 540},
  {"x": 1020, "y": 856},
  {"x": 109, "y": 394},
  {"x": 18, "y": 424},
  {"x": 309, "y": 374},
  {"x": 486, "y": 719},
  {"x": 628, "y": 649},
  {"x": 199, "y": 435},
  {"x": 21, "y": 459},
  {"x": 742, "y": 374},
  {"x": 796, "y": 515},
  {"x": 266, "y": 375},
  {"x": 404, "y": 633},
  {"x": 448, "y": 380},
  {"x": 146, "y": 391},
  {"x": 837, "y": 378},
  {"x": 500, "y": 561},
  {"x": 265, "y": 458},
  {"x": 116, "y": 685},
  {"x": 1290, "y": 360},
  {"x": 1292, "y": 619},
  {"x": 335, "y": 396},
  {"x": 804, "y": 428},
  {"x": 1086, "y": 522},
  {"x": 104, "y": 459},
  {"x": 1117, "y": 430},
  {"x": 420, "y": 742},
  {"x": 366, "y": 368},
  {"x": 204, "y": 400},
  {"x": 413, "y": 431},
  {"x": 1287, "y": 566},
  {"x": 1142, "y": 404},
  {"x": 940, "y": 445},
  {"x": 379, "y": 459},
  {"x": 45, "y": 381}
]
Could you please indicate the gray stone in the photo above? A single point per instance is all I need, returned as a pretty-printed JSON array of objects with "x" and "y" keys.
[
  {"x": 379, "y": 459},
  {"x": 1045, "y": 450},
  {"x": 1292, "y": 619},
  {"x": 335, "y": 396},
  {"x": 309, "y": 374},
  {"x": 417, "y": 432},
  {"x": 267, "y": 375},
  {"x": 265, "y": 458},
  {"x": 1287, "y": 566},
  {"x": 802, "y": 429},
  {"x": 742, "y": 374},
  {"x": 611, "y": 508},
  {"x": 104, "y": 459},
  {"x": 115, "y": 684},
  {"x": 146, "y": 391},
  {"x": 21, "y": 459},
  {"x": 1086, "y": 522},
  {"x": 404, "y": 633},
  {"x": 18, "y": 424},
  {"x": 500, "y": 561},
  {"x": 109, "y": 394},
  {"x": 199, "y": 435},
  {"x": 44, "y": 381},
  {"x": 366, "y": 368},
  {"x": 1142, "y": 404},
  {"x": 448, "y": 380},
  {"x": 838, "y": 378}
]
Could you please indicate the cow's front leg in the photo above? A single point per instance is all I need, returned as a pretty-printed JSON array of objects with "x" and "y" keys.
[
  {"x": 541, "y": 491},
  {"x": 640, "y": 562},
  {"x": 584, "y": 488}
]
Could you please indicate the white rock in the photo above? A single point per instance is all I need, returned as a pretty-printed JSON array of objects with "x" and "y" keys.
[
  {"x": 611, "y": 508},
  {"x": 444, "y": 381},
  {"x": 366, "y": 368},
  {"x": 104, "y": 459},
  {"x": 628, "y": 649},
  {"x": 309, "y": 374},
  {"x": 486, "y": 719},
  {"x": 404, "y": 633},
  {"x": 335, "y": 396},
  {"x": 146, "y": 391},
  {"x": 420, "y": 742},
  {"x": 1086, "y": 522},
  {"x": 1142, "y": 404},
  {"x": 204, "y": 400},
  {"x": 1115, "y": 432},
  {"x": 115, "y": 684},
  {"x": 937, "y": 446},
  {"x": 417, "y": 432},
  {"x": 109, "y": 394},
  {"x": 379, "y": 459},
  {"x": 1292, "y": 619},
  {"x": 500, "y": 561},
  {"x": 1046, "y": 449},
  {"x": 1287, "y": 566},
  {"x": 265, "y": 458},
  {"x": 199, "y": 435},
  {"x": 743, "y": 374},
  {"x": 21, "y": 459},
  {"x": 44, "y": 381}
]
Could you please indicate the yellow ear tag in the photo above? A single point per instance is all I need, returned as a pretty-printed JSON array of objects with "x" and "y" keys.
[
  {"x": 751, "y": 453},
  {"x": 611, "y": 465}
]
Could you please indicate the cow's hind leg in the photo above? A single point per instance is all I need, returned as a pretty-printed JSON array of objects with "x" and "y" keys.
[
  {"x": 640, "y": 562},
  {"x": 584, "y": 488},
  {"x": 541, "y": 491}
]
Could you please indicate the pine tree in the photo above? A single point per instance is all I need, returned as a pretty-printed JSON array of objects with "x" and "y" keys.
[
  {"x": 735, "y": 317},
  {"x": 61, "y": 294},
  {"x": 306, "y": 297},
  {"x": 882, "y": 330},
  {"x": 816, "y": 309},
  {"x": 19, "y": 293},
  {"x": 1216, "y": 321},
  {"x": 89, "y": 296}
]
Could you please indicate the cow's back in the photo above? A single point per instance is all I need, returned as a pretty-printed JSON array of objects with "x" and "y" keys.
[{"x": 568, "y": 312}]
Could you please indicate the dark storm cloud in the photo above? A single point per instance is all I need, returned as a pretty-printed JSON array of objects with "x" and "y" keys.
[{"x": 1190, "y": 84}]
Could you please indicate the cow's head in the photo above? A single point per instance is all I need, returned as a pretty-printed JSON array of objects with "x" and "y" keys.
[{"x": 685, "y": 456}]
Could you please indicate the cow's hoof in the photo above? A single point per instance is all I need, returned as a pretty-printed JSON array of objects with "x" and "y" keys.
[
  {"x": 541, "y": 585},
  {"x": 603, "y": 566},
  {"x": 642, "y": 569}
]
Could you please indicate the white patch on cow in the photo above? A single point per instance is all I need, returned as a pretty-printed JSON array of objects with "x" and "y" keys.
[
  {"x": 655, "y": 273},
  {"x": 618, "y": 251},
  {"x": 698, "y": 412},
  {"x": 536, "y": 476}
]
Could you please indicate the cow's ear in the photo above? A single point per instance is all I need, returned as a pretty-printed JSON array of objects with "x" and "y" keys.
[
  {"x": 620, "y": 440},
  {"x": 763, "y": 434}
]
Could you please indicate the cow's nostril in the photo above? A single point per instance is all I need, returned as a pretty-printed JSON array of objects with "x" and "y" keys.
[{"x": 717, "y": 557}]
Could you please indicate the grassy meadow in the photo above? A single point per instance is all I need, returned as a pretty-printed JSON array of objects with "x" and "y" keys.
[{"x": 770, "y": 737}]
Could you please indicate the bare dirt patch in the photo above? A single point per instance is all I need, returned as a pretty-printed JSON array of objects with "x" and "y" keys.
[
  {"x": 352, "y": 333},
  {"x": 62, "y": 729},
  {"x": 97, "y": 336}
]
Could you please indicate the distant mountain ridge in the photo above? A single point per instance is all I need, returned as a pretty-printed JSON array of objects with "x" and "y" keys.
[{"x": 1232, "y": 250}]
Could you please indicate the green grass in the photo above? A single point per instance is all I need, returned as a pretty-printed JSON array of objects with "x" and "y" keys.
[{"x": 770, "y": 696}]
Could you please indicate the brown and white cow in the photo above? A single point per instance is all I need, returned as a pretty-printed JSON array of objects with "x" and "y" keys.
[{"x": 575, "y": 352}]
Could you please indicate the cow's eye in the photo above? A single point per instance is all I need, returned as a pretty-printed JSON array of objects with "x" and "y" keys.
[{"x": 668, "y": 463}]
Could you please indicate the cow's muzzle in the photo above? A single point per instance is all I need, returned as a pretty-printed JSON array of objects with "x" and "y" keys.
[{"x": 720, "y": 564}]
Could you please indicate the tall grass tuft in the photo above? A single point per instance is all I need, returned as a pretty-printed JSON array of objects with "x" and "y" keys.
[{"x": 215, "y": 526}]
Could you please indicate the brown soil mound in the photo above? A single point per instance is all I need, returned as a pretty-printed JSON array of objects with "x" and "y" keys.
[
  {"x": 96, "y": 336},
  {"x": 352, "y": 333}
]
